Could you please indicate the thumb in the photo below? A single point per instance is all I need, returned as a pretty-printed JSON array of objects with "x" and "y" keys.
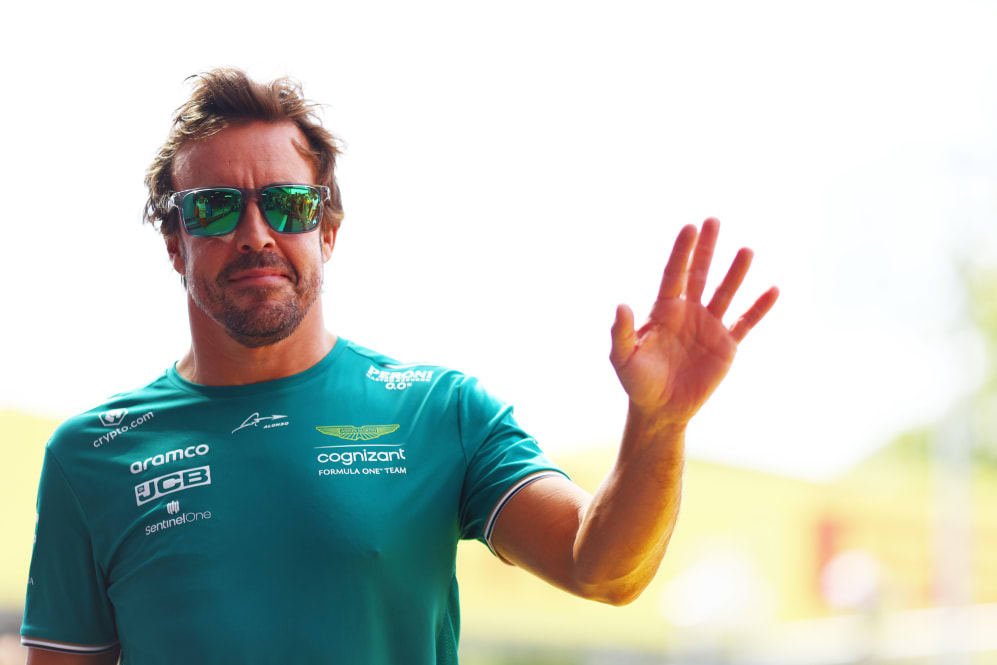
[{"x": 623, "y": 336}]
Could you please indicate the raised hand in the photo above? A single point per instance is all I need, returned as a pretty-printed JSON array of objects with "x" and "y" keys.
[{"x": 674, "y": 362}]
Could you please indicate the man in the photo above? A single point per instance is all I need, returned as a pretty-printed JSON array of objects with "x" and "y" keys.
[{"x": 285, "y": 495}]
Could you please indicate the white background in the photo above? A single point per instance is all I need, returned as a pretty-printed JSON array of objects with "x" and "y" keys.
[{"x": 513, "y": 171}]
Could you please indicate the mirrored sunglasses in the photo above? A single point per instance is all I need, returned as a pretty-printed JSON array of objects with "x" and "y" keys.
[{"x": 217, "y": 211}]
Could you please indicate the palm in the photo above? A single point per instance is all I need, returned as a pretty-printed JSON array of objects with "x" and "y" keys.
[
  {"x": 674, "y": 362},
  {"x": 682, "y": 354}
]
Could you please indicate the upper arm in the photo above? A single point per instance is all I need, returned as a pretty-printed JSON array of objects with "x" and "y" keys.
[
  {"x": 47, "y": 657},
  {"x": 67, "y": 609},
  {"x": 537, "y": 529},
  {"x": 501, "y": 460}
]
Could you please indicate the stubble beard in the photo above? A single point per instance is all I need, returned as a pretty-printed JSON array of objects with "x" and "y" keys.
[{"x": 268, "y": 314}]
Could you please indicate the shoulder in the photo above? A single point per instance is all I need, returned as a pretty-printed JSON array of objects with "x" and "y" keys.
[
  {"x": 422, "y": 382},
  {"x": 111, "y": 418},
  {"x": 395, "y": 374}
]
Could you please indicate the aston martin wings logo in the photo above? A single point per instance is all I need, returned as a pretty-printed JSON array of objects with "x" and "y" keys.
[{"x": 351, "y": 433}]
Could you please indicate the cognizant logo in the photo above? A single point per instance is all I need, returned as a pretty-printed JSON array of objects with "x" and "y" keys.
[
  {"x": 348, "y": 457},
  {"x": 138, "y": 466},
  {"x": 114, "y": 433}
]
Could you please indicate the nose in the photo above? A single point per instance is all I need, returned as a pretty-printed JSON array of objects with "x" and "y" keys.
[{"x": 253, "y": 234}]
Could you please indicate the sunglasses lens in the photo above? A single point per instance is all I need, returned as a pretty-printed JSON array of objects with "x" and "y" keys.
[
  {"x": 291, "y": 209},
  {"x": 211, "y": 212}
]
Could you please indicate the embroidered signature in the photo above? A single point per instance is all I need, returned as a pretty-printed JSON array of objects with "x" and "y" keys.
[{"x": 255, "y": 419}]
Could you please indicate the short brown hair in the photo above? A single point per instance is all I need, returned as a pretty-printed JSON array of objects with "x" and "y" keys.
[{"x": 226, "y": 96}]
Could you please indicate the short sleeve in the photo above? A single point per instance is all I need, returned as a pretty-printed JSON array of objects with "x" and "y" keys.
[
  {"x": 67, "y": 608},
  {"x": 501, "y": 459}
]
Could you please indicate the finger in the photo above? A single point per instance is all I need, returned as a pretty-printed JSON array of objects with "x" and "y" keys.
[
  {"x": 701, "y": 259},
  {"x": 732, "y": 282},
  {"x": 624, "y": 337},
  {"x": 674, "y": 278},
  {"x": 754, "y": 315}
]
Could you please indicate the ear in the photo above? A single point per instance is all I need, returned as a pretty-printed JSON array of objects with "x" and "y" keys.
[
  {"x": 174, "y": 247},
  {"x": 328, "y": 241}
]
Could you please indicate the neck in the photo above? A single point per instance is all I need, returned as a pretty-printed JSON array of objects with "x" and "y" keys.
[{"x": 215, "y": 359}]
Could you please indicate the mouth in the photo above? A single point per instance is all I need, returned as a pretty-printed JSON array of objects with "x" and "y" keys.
[
  {"x": 260, "y": 269},
  {"x": 259, "y": 277}
]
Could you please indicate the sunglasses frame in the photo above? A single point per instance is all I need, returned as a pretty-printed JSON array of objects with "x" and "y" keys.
[{"x": 175, "y": 202}]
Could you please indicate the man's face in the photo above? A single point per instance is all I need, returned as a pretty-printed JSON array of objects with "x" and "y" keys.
[{"x": 255, "y": 283}]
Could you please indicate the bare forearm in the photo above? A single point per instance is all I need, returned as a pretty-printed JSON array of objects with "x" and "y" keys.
[
  {"x": 605, "y": 547},
  {"x": 626, "y": 528}
]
